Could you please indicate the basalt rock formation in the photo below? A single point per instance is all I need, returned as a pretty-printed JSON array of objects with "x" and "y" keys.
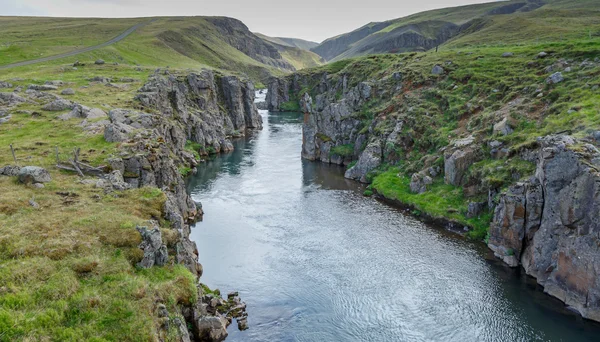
[
  {"x": 549, "y": 224},
  {"x": 208, "y": 110}
]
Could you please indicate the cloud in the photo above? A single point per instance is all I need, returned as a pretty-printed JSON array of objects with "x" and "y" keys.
[{"x": 12, "y": 7}]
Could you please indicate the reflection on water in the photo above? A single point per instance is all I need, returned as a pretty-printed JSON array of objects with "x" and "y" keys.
[{"x": 316, "y": 261}]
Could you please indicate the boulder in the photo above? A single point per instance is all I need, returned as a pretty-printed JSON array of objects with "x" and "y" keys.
[
  {"x": 437, "y": 70},
  {"x": 5, "y": 84},
  {"x": 68, "y": 91},
  {"x": 58, "y": 105},
  {"x": 369, "y": 160},
  {"x": 34, "y": 174},
  {"x": 555, "y": 78},
  {"x": 508, "y": 54},
  {"x": 84, "y": 112},
  {"x": 113, "y": 181},
  {"x": 117, "y": 132},
  {"x": 211, "y": 328},
  {"x": 542, "y": 55},
  {"x": 10, "y": 99},
  {"x": 155, "y": 251},
  {"x": 503, "y": 127},
  {"x": 456, "y": 165},
  {"x": 419, "y": 183},
  {"x": 57, "y": 83},
  {"x": 99, "y": 62},
  {"x": 42, "y": 87}
]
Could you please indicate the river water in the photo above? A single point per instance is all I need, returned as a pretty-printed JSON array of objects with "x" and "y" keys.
[{"x": 316, "y": 261}]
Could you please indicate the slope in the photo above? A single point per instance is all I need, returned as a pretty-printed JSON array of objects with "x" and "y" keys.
[{"x": 511, "y": 22}]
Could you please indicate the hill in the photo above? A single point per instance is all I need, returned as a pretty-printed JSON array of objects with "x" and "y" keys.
[
  {"x": 506, "y": 22},
  {"x": 178, "y": 42},
  {"x": 292, "y": 42}
]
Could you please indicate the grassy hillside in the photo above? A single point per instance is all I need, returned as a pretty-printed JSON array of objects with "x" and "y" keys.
[
  {"x": 177, "y": 42},
  {"x": 505, "y": 22}
]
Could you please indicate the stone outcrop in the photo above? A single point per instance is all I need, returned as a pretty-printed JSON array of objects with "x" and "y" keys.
[
  {"x": 549, "y": 224},
  {"x": 155, "y": 251},
  {"x": 33, "y": 174},
  {"x": 205, "y": 108},
  {"x": 277, "y": 94}
]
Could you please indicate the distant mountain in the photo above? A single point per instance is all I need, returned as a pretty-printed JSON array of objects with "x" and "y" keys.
[
  {"x": 291, "y": 42},
  {"x": 491, "y": 23}
]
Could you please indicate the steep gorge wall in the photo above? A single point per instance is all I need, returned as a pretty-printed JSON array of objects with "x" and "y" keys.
[
  {"x": 549, "y": 224},
  {"x": 204, "y": 108}
]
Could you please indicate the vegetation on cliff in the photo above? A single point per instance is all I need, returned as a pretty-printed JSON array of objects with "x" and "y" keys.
[{"x": 491, "y": 102}]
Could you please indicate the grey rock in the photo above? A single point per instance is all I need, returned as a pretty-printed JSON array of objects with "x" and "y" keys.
[
  {"x": 101, "y": 79},
  {"x": 117, "y": 132},
  {"x": 34, "y": 204},
  {"x": 503, "y": 127},
  {"x": 182, "y": 331},
  {"x": 210, "y": 328},
  {"x": 508, "y": 54},
  {"x": 155, "y": 252},
  {"x": 419, "y": 183},
  {"x": 475, "y": 209},
  {"x": 5, "y": 119},
  {"x": 38, "y": 185},
  {"x": 68, "y": 91},
  {"x": 10, "y": 99},
  {"x": 457, "y": 163},
  {"x": 437, "y": 70},
  {"x": 99, "y": 62},
  {"x": 369, "y": 160},
  {"x": 555, "y": 78},
  {"x": 57, "y": 83},
  {"x": 542, "y": 55},
  {"x": 42, "y": 87},
  {"x": 549, "y": 224},
  {"x": 4, "y": 84},
  {"x": 58, "y": 105},
  {"x": 10, "y": 170},
  {"x": 34, "y": 174}
]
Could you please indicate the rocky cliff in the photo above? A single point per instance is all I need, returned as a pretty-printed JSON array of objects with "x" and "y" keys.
[
  {"x": 414, "y": 128},
  {"x": 549, "y": 223},
  {"x": 202, "y": 108}
]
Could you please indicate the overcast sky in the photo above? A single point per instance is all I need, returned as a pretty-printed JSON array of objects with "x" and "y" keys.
[{"x": 308, "y": 19}]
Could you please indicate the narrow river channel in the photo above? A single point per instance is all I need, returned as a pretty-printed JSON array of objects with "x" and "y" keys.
[{"x": 316, "y": 261}]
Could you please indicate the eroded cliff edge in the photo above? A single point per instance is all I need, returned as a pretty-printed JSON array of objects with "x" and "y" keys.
[
  {"x": 480, "y": 142},
  {"x": 204, "y": 109}
]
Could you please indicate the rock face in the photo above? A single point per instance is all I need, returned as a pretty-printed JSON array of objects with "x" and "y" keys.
[
  {"x": 419, "y": 183},
  {"x": 457, "y": 163},
  {"x": 277, "y": 94},
  {"x": 34, "y": 174},
  {"x": 549, "y": 224},
  {"x": 195, "y": 103},
  {"x": 369, "y": 159},
  {"x": 204, "y": 108},
  {"x": 155, "y": 251}
]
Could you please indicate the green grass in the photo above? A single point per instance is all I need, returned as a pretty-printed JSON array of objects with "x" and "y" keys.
[
  {"x": 440, "y": 201},
  {"x": 343, "y": 150},
  {"x": 290, "y": 106}
]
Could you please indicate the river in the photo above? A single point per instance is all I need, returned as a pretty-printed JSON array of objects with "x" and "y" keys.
[{"x": 316, "y": 261}]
